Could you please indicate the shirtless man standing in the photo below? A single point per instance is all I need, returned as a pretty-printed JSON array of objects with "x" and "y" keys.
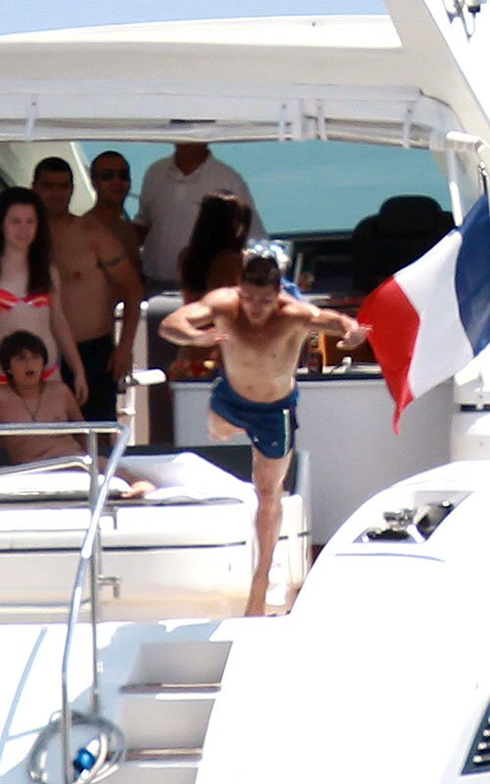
[
  {"x": 111, "y": 178},
  {"x": 261, "y": 331},
  {"x": 92, "y": 266}
]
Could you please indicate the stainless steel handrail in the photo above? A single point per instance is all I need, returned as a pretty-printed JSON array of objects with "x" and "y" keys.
[
  {"x": 51, "y": 464},
  {"x": 89, "y": 552},
  {"x": 89, "y": 556}
]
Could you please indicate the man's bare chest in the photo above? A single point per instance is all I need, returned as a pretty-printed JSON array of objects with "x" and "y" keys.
[
  {"x": 262, "y": 345},
  {"x": 75, "y": 256},
  {"x": 77, "y": 264}
]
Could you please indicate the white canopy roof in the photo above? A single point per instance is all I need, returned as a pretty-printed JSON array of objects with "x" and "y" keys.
[{"x": 291, "y": 78}]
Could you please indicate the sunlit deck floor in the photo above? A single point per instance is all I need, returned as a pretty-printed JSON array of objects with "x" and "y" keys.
[{"x": 210, "y": 607}]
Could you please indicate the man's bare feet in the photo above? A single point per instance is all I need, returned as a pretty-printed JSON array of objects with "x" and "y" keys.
[
  {"x": 139, "y": 488},
  {"x": 256, "y": 600}
]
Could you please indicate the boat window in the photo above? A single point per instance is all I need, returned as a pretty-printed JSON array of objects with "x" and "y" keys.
[{"x": 310, "y": 186}]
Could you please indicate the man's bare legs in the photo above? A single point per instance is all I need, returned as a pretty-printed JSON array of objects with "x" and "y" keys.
[
  {"x": 268, "y": 478},
  {"x": 219, "y": 429}
]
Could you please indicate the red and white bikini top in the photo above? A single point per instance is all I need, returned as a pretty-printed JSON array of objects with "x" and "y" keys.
[{"x": 8, "y": 301}]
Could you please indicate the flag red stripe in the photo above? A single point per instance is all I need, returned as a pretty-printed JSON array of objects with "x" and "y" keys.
[{"x": 395, "y": 325}]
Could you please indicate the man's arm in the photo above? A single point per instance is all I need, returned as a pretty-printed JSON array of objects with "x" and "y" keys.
[
  {"x": 130, "y": 239},
  {"x": 65, "y": 340},
  {"x": 142, "y": 220},
  {"x": 122, "y": 273},
  {"x": 132, "y": 244},
  {"x": 141, "y": 233},
  {"x": 190, "y": 325},
  {"x": 335, "y": 323},
  {"x": 73, "y": 414}
]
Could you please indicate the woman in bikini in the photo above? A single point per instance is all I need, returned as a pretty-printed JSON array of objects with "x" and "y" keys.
[
  {"x": 213, "y": 258},
  {"x": 29, "y": 284}
]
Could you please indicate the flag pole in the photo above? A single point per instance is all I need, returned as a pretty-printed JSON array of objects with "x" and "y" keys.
[{"x": 482, "y": 171}]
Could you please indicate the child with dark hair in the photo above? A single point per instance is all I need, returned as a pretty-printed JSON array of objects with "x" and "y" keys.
[
  {"x": 13, "y": 345},
  {"x": 27, "y": 398}
]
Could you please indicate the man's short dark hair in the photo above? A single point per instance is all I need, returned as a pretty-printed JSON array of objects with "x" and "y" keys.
[
  {"x": 261, "y": 269},
  {"x": 21, "y": 340},
  {"x": 52, "y": 164},
  {"x": 105, "y": 154}
]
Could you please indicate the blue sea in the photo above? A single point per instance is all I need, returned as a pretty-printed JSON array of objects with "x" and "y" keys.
[{"x": 306, "y": 186}]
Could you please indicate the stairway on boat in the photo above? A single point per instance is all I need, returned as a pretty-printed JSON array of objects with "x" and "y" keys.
[
  {"x": 158, "y": 683},
  {"x": 164, "y": 710}
]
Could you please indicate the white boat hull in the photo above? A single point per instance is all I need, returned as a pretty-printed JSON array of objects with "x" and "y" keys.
[{"x": 380, "y": 672}]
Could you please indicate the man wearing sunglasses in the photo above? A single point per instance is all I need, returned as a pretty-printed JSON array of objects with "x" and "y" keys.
[
  {"x": 93, "y": 266},
  {"x": 111, "y": 178}
]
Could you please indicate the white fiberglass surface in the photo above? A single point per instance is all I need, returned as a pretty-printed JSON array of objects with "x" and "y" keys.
[
  {"x": 376, "y": 663},
  {"x": 60, "y": 15},
  {"x": 175, "y": 476}
]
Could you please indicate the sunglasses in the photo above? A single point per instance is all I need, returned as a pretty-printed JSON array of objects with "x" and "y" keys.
[{"x": 106, "y": 175}]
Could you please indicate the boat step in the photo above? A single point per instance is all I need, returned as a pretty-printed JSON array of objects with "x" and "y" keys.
[
  {"x": 168, "y": 720},
  {"x": 181, "y": 662},
  {"x": 181, "y": 756},
  {"x": 174, "y": 688}
]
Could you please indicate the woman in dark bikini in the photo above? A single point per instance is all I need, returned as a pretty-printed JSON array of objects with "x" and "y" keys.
[
  {"x": 213, "y": 258},
  {"x": 29, "y": 284}
]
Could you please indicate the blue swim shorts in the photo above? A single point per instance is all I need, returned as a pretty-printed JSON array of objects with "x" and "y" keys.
[{"x": 270, "y": 426}]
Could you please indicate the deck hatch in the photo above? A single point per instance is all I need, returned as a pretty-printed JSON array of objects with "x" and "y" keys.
[
  {"x": 478, "y": 760},
  {"x": 409, "y": 524}
]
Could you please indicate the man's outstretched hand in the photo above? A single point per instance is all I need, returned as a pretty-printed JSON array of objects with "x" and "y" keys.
[
  {"x": 210, "y": 336},
  {"x": 353, "y": 338}
]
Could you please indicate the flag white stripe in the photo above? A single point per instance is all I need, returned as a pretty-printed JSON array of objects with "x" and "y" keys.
[{"x": 442, "y": 345}]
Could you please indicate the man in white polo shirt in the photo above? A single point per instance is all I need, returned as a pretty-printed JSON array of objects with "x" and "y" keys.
[{"x": 169, "y": 203}]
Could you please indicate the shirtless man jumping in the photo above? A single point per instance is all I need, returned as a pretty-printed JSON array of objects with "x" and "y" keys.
[
  {"x": 261, "y": 331},
  {"x": 92, "y": 266}
]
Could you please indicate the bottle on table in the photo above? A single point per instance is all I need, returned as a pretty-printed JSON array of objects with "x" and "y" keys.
[{"x": 314, "y": 354}]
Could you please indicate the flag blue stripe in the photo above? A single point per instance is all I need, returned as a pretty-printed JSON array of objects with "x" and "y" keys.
[{"x": 472, "y": 276}]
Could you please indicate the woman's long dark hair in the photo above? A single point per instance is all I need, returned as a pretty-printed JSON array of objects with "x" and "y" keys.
[
  {"x": 223, "y": 224},
  {"x": 39, "y": 254}
]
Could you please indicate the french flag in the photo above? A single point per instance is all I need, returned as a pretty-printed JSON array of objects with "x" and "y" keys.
[{"x": 432, "y": 317}]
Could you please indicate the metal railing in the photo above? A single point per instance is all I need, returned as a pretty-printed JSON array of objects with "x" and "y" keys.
[
  {"x": 89, "y": 559},
  {"x": 89, "y": 553},
  {"x": 50, "y": 464}
]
